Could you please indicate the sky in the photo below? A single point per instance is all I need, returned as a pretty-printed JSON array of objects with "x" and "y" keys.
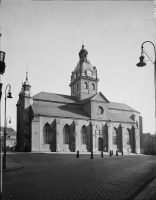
[{"x": 47, "y": 36}]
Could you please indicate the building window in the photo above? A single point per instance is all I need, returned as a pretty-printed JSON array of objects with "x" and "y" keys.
[
  {"x": 92, "y": 86},
  {"x": 128, "y": 137},
  {"x": 77, "y": 86},
  {"x": 73, "y": 90},
  {"x": 84, "y": 138},
  {"x": 47, "y": 134},
  {"x": 66, "y": 134},
  {"x": 85, "y": 85},
  {"x": 114, "y": 136}
]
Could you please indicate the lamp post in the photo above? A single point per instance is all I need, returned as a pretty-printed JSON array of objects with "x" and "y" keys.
[
  {"x": 2, "y": 70},
  {"x": 142, "y": 64},
  {"x": 6, "y": 96}
]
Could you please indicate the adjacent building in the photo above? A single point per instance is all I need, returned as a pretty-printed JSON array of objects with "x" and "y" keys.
[
  {"x": 10, "y": 138},
  {"x": 85, "y": 120}
]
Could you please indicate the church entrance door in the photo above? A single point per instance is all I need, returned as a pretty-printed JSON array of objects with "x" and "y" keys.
[
  {"x": 100, "y": 144},
  {"x": 105, "y": 141}
]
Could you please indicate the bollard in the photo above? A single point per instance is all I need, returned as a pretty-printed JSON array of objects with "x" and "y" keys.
[
  {"x": 101, "y": 154},
  {"x": 91, "y": 155},
  {"x": 116, "y": 152},
  {"x": 110, "y": 153},
  {"x": 122, "y": 152},
  {"x": 77, "y": 154}
]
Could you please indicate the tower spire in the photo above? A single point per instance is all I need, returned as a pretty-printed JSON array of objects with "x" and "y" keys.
[{"x": 27, "y": 74}]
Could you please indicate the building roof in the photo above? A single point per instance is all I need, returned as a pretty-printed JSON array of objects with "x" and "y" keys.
[
  {"x": 8, "y": 129},
  {"x": 77, "y": 113},
  {"x": 120, "y": 118},
  {"x": 121, "y": 106},
  {"x": 61, "y": 111},
  {"x": 56, "y": 97}
]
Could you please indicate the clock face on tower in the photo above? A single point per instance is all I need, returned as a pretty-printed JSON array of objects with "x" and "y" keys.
[{"x": 88, "y": 73}]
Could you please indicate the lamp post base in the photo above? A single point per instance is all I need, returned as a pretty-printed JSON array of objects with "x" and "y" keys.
[{"x": 4, "y": 162}]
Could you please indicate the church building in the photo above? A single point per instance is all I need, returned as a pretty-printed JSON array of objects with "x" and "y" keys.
[{"x": 85, "y": 120}]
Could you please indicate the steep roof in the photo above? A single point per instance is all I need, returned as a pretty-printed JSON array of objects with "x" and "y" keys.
[
  {"x": 121, "y": 106},
  {"x": 8, "y": 129},
  {"x": 119, "y": 118},
  {"x": 56, "y": 97},
  {"x": 97, "y": 97},
  {"x": 60, "y": 111}
]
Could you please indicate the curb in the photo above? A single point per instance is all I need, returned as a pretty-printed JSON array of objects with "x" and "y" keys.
[
  {"x": 14, "y": 168},
  {"x": 135, "y": 194}
]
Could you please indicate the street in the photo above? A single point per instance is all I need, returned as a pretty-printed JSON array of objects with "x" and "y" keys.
[{"x": 63, "y": 176}]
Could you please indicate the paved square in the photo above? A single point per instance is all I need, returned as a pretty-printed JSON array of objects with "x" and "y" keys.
[{"x": 63, "y": 176}]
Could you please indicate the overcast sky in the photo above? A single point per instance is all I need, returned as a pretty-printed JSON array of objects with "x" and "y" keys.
[{"x": 47, "y": 37}]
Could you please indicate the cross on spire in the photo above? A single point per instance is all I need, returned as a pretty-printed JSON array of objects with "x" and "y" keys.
[{"x": 27, "y": 74}]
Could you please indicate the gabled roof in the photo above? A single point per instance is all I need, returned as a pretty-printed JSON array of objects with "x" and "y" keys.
[
  {"x": 8, "y": 129},
  {"x": 121, "y": 106},
  {"x": 119, "y": 118},
  {"x": 97, "y": 97},
  {"x": 61, "y": 111},
  {"x": 56, "y": 97}
]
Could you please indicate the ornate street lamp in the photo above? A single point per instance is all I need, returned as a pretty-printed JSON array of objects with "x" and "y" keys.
[
  {"x": 6, "y": 96},
  {"x": 142, "y": 64},
  {"x": 9, "y": 119}
]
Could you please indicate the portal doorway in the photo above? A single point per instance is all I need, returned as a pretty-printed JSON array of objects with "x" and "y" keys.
[{"x": 100, "y": 141}]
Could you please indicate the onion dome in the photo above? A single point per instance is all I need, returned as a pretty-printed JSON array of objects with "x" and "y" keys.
[{"x": 84, "y": 67}]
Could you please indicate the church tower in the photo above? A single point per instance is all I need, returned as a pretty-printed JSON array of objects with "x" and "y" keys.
[
  {"x": 23, "y": 116},
  {"x": 84, "y": 80}
]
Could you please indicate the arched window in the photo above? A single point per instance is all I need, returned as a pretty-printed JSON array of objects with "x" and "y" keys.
[
  {"x": 85, "y": 85},
  {"x": 114, "y": 136},
  {"x": 66, "y": 134},
  {"x": 92, "y": 86},
  {"x": 73, "y": 90},
  {"x": 77, "y": 86},
  {"x": 47, "y": 134},
  {"x": 84, "y": 138},
  {"x": 128, "y": 136}
]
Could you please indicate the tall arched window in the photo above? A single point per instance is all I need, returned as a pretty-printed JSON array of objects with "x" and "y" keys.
[
  {"x": 114, "y": 136},
  {"x": 128, "y": 136},
  {"x": 66, "y": 134},
  {"x": 73, "y": 90},
  {"x": 84, "y": 138},
  {"x": 47, "y": 134},
  {"x": 85, "y": 85},
  {"x": 92, "y": 86}
]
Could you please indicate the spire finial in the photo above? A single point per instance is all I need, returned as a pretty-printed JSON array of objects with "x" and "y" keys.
[
  {"x": 82, "y": 44},
  {"x": 27, "y": 74}
]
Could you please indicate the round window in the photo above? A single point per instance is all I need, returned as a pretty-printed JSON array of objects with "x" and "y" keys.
[{"x": 99, "y": 110}]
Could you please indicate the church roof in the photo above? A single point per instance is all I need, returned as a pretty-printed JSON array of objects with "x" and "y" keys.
[
  {"x": 56, "y": 97},
  {"x": 120, "y": 118},
  {"x": 121, "y": 106},
  {"x": 61, "y": 111}
]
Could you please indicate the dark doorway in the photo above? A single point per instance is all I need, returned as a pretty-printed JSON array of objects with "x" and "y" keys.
[
  {"x": 105, "y": 141},
  {"x": 100, "y": 144}
]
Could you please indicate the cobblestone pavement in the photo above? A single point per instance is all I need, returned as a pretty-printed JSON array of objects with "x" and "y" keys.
[{"x": 65, "y": 177}]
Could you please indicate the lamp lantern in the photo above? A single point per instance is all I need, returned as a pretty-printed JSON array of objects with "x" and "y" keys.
[{"x": 2, "y": 62}]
